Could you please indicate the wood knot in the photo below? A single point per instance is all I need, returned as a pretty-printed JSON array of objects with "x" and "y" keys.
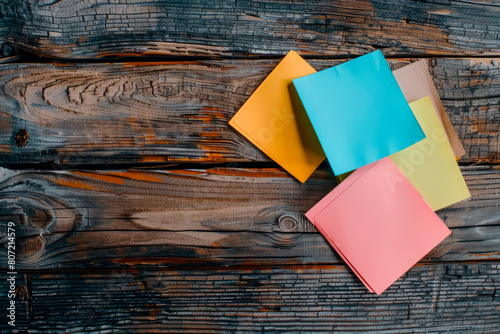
[
  {"x": 22, "y": 138},
  {"x": 29, "y": 245},
  {"x": 22, "y": 292},
  {"x": 287, "y": 223}
]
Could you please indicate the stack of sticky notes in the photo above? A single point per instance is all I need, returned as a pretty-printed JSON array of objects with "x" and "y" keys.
[{"x": 385, "y": 134}]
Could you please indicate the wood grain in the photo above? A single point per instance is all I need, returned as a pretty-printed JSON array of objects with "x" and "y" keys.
[
  {"x": 432, "y": 298},
  {"x": 222, "y": 249},
  {"x": 80, "y": 29},
  {"x": 178, "y": 111},
  {"x": 187, "y": 218}
]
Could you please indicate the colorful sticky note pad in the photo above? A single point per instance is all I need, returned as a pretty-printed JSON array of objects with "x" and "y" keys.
[
  {"x": 430, "y": 164},
  {"x": 416, "y": 83},
  {"x": 378, "y": 223},
  {"x": 275, "y": 121},
  {"x": 358, "y": 112}
]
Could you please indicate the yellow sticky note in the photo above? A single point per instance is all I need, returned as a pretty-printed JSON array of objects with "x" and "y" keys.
[
  {"x": 275, "y": 121},
  {"x": 430, "y": 164},
  {"x": 342, "y": 177}
]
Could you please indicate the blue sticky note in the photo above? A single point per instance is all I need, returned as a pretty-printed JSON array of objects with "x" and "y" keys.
[{"x": 358, "y": 112}]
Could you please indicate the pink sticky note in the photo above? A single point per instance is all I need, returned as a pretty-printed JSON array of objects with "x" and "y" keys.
[{"x": 378, "y": 223}]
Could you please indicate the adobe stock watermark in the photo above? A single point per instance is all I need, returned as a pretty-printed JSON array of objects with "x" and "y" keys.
[
  {"x": 420, "y": 151},
  {"x": 277, "y": 123},
  {"x": 11, "y": 274}
]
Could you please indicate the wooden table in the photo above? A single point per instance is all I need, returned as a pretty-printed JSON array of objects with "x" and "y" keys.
[{"x": 137, "y": 209}]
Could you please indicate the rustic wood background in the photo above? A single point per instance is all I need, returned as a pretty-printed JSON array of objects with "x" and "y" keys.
[{"x": 138, "y": 209}]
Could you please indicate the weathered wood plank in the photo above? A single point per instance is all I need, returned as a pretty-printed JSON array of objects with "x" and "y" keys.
[
  {"x": 178, "y": 112},
  {"x": 203, "y": 218},
  {"x": 249, "y": 220},
  {"x": 437, "y": 298},
  {"x": 80, "y": 29}
]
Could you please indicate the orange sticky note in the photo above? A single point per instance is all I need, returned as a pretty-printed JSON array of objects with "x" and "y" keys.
[
  {"x": 378, "y": 223},
  {"x": 275, "y": 121},
  {"x": 416, "y": 83}
]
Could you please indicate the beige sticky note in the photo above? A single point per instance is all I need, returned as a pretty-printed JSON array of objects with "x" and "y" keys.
[{"x": 415, "y": 83}]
